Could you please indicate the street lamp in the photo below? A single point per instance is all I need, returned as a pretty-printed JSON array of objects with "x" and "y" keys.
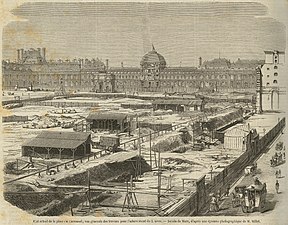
[{"x": 211, "y": 170}]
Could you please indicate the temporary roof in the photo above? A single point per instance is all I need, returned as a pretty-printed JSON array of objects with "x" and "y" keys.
[
  {"x": 258, "y": 187},
  {"x": 237, "y": 131},
  {"x": 56, "y": 139},
  {"x": 106, "y": 116}
]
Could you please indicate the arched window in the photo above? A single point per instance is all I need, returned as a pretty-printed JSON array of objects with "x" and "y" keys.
[
  {"x": 275, "y": 82},
  {"x": 275, "y": 74},
  {"x": 275, "y": 67}
]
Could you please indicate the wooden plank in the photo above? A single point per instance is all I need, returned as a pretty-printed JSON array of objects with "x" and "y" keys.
[{"x": 100, "y": 188}]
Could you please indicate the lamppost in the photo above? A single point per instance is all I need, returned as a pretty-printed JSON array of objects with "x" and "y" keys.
[{"x": 211, "y": 170}]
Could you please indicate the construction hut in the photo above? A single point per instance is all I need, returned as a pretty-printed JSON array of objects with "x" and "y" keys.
[
  {"x": 62, "y": 145},
  {"x": 236, "y": 137},
  {"x": 178, "y": 105},
  {"x": 113, "y": 122}
]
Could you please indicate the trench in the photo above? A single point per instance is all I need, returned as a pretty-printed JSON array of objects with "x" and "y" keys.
[{"x": 56, "y": 201}]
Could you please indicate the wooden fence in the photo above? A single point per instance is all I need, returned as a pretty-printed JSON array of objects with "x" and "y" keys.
[
  {"x": 64, "y": 104},
  {"x": 192, "y": 205}
]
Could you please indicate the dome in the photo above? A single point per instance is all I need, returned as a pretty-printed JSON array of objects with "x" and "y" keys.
[{"x": 153, "y": 58}]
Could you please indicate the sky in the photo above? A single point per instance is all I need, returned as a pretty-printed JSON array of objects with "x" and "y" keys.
[{"x": 124, "y": 32}]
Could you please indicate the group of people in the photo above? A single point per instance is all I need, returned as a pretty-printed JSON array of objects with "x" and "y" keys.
[
  {"x": 280, "y": 156},
  {"x": 215, "y": 200}
]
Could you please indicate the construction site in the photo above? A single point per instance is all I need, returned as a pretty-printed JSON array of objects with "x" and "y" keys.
[{"x": 117, "y": 155}]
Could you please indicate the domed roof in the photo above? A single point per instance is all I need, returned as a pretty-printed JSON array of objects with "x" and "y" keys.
[{"x": 153, "y": 58}]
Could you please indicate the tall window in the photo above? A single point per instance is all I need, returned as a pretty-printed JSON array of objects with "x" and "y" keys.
[
  {"x": 275, "y": 82},
  {"x": 275, "y": 59}
]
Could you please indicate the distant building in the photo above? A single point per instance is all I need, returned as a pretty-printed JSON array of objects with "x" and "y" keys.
[
  {"x": 31, "y": 56},
  {"x": 273, "y": 81},
  {"x": 219, "y": 63},
  {"x": 177, "y": 105},
  {"x": 114, "y": 122},
  {"x": 33, "y": 70}
]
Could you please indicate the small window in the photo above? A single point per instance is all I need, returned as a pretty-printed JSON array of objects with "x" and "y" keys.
[
  {"x": 268, "y": 68},
  {"x": 275, "y": 67},
  {"x": 275, "y": 74},
  {"x": 267, "y": 84},
  {"x": 267, "y": 75},
  {"x": 275, "y": 82}
]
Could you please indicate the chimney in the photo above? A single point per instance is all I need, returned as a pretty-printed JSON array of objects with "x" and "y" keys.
[
  {"x": 44, "y": 54},
  {"x": 122, "y": 65},
  {"x": 200, "y": 61},
  {"x": 18, "y": 55},
  {"x": 80, "y": 64},
  {"x": 107, "y": 64},
  {"x": 21, "y": 53}
]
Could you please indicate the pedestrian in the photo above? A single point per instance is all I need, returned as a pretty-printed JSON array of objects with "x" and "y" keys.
[
  {"x": 214, "y": 207},
  {"x": 218, "y": 196},
  {"x": 284, "y": 155},
  {"x": 276, "y": 174},
  {"x": 227, "y": 191},
  {"x": 277, "y": 186},
  {"x": 279, "y": 173}
]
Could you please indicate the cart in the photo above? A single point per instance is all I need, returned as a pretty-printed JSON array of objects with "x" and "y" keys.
[{"x": 250, "y": 169}]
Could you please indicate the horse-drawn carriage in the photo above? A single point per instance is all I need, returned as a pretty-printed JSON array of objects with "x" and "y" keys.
[
  {"x": 254, "y": 198},
  {"x": 250, "y": 194},
  {"x": 277, "y": 159},
  {"x": 279, "y": 146}
]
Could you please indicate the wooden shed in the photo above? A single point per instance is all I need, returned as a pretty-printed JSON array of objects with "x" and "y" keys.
[
  {"x": 109, "y": 121},
  {"x": 55, "y": 144},
  {"x": 236, "y": 137}
]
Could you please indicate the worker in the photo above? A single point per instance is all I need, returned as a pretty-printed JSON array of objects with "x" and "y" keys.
[
  {"x": 257, "y": 181},
  {"x": 218, "y": 195},
  {"x": 277, "y": 186}
]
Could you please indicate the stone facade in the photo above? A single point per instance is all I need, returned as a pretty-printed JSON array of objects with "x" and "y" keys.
[
  {"x": 153, "y": 75},
  {"x": 274, "y": 82}
]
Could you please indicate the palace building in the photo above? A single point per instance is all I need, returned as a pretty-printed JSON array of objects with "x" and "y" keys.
[{"x": 32, "y": 70}]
